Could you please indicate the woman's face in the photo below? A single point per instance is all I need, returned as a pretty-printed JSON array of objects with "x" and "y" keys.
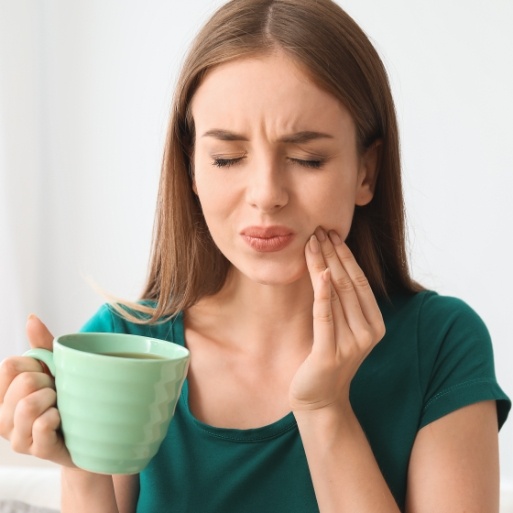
[{"x": 274, "y": 158}]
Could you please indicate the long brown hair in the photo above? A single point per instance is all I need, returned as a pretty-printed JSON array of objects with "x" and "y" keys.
[{"x": 331, "y": 48}]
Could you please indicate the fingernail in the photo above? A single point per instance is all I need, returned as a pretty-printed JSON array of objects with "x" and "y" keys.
[
  {"x": 321, "y": 234},
  {"x": 334, "y": 237},
  {"x": 314, "y": 244},
  {"x": 31, "y": 317}
]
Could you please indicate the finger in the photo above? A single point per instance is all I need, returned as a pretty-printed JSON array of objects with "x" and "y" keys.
[
  {"x": 317, "y": 265},
  {"x": 344, "y": 287},
  {"x": 21, "y": 387},
  {"x": 361, "y": 286},
  {"x": 38, "y": 334},
  {"x": 47, "y": 441},
  {"x": 323, "y": 322},
  {"x": 314, "y": 259},
  {"x": 12, "y": 367},
  {"x": 27, "y": 412}
]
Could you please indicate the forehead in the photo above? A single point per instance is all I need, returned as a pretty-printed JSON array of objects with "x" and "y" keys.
[{"x": 270, "y": 89}]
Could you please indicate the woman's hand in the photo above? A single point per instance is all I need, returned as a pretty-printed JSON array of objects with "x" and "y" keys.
[
  {"x": 28, "y": 415},
  {"x": 347, "y": 324}
]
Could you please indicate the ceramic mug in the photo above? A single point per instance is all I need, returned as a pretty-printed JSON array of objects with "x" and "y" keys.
[{"x": 116, "y": 395}]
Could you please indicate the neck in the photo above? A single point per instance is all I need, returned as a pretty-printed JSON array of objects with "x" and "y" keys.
[{"x": 258, "y": 314}]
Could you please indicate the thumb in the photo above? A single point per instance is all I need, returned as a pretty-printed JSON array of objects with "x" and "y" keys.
[{"x": 38, "y": 334}]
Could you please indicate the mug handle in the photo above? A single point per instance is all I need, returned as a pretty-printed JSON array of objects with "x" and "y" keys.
[{"x": 43, "y": 355}]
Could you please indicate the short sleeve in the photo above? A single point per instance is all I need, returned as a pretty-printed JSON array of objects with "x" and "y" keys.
[
  {"x": 108, "y": 320},
  {"x": 101, "y": 322},
  {"x": 455, "y": 359}
]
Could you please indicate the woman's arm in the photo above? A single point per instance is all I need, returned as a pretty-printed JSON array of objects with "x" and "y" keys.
[
  {"x": 85, "y": 492},
  {"x": 344, "y": 471},
  {"x": 347, "y": 324},
  {"x": 454, "y": 465},
  {"x": 126, "y": 489}
]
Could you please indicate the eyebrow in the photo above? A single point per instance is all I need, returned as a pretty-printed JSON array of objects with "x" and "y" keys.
[
  {"x": 224, "y": 135},
  {"x": 296, "y": 138}
]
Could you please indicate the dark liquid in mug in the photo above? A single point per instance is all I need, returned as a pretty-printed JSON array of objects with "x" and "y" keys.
[{"x": 137, "y": 356}]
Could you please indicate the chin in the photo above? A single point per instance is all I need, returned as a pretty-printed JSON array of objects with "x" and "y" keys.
[{"x": 274, "y": 274}]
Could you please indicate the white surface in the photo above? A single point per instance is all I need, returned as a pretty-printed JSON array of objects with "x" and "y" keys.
[
  {"x": 83, "y": 105},
  {"x": 27, "y": 479},
  {"x": 35, "y": 486},
  {"x": 507, "y": 498}
]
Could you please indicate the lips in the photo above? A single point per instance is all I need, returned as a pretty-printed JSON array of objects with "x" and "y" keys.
[{"x": 265, "y": 239}]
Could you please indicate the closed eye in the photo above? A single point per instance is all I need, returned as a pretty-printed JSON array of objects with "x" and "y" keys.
[
  {"x": 222, "y": 162},
  {"x": 309, "y": 163}
]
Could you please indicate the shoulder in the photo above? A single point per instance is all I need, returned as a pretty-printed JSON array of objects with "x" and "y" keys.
[
  {"x": 453, "y": 351},
  {"x": 450, "y": 330},
  {"x": 437, "y": 324},
  {"x": 445, "y": 311},
  {"x": 110, "y": 319},
  {"x": 449, "y": 323},
  {"x": 430, "y": 317}
]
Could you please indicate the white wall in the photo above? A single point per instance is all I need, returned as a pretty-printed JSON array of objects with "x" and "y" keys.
[{"x": 84, "y": 95}]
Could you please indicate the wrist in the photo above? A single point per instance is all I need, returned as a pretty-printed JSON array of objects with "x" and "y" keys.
[
  {"x": 336, "y": 418},
  {"x": 81, "y": 474},
  {"x": 85, "y": 491}
]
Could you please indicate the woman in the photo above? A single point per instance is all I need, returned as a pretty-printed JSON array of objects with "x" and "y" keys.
[{"x": 282, "y": 153}]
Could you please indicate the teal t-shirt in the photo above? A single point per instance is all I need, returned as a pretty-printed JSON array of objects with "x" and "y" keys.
[{"x": 436, "y": 357}]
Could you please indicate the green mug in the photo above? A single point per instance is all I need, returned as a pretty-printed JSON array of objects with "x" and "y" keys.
[{"x": 116, "y": 395}]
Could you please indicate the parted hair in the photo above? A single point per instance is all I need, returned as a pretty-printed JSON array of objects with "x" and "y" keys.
[{"x": 185, "y": 264}]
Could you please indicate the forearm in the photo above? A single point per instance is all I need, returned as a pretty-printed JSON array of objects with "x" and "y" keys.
[
  {"x": 85, "y": 492},
  {"x": 344, "y": 471}
]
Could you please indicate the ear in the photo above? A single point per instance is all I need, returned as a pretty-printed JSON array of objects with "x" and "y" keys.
[{"x": 368, "y": 174}]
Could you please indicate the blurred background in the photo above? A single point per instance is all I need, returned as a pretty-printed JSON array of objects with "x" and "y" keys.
[{"x": 85, "y": 89}]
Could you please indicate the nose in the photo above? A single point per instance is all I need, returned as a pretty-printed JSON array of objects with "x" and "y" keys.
[{"x": 267, "y": 190}]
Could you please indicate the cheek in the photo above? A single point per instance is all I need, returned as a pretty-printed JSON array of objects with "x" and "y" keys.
[
  {"x": 207, "y": 190},
  {"x": 341, "y": 221},
  {"x": 220, "y": 193},
  {"x": 333, "y": 209},
  {"x": 216, "y": 204}
]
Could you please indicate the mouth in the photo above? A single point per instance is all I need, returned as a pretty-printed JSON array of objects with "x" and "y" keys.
[{"x": 267, "y": 239}]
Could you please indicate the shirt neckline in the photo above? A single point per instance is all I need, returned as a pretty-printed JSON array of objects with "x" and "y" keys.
[{"x": 257, "y": 434}]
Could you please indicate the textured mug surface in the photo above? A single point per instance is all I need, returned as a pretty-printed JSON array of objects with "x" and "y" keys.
[{"x": 116, "y": 395}]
